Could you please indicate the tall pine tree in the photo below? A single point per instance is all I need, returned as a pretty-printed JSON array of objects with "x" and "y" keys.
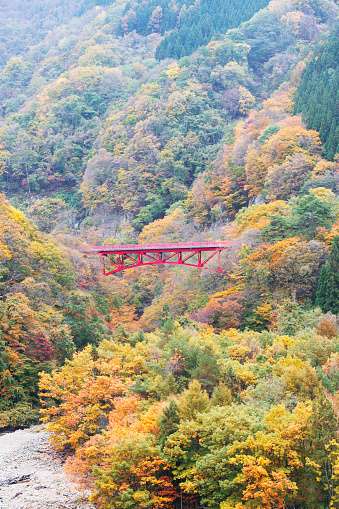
[
  {"x": 321, "y": 289},
  {"x": 327, "y": 296}
]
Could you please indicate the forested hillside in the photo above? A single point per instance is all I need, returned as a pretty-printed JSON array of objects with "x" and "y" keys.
[
  {"x": 318, "y": 95},
  {"x": 73, "y": 110},
  {"x": 23, "y": 24},
  {"x": 192, "y": 24},
  {"x": 45, "y": 315},
  {"x": 169, "y": 386}
]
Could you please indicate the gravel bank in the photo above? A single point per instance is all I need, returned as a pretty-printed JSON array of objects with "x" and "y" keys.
[{"x": 29, "y": 452}]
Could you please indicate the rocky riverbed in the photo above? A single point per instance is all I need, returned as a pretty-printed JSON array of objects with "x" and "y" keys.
[{"x": 31, "y": 474}]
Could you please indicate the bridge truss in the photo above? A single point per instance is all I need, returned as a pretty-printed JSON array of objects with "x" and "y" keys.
[{"x": 115, "y": 259}]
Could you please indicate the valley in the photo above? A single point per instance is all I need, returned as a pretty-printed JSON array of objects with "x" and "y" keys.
[{"x": 167, "y": 123}]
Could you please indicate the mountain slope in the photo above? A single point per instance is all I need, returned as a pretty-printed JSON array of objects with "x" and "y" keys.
[
  {"x": 318, "y": 94},
  {"x": 191, "y": 24}
]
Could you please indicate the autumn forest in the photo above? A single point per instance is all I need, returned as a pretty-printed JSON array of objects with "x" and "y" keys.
[{"x": 173, "y": 121}]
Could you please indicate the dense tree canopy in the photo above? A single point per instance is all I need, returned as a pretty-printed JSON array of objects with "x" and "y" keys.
[
  {"x": 170, "y": 386},
  {"x": 318, "y": 95}
]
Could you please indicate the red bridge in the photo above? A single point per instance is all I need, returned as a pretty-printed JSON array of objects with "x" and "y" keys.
[{"x": 118, "y": 258}]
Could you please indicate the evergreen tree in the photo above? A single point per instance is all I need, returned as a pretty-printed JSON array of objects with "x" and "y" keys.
[
  {"x": 193, "y": 401},
  {"x": 221, "y": 396},
  {"x": 197, "y": 26},
  {"x": 318, "y": 95},
  {"x": 169, "y": 422},
  {"x": 323, "y": 426},
  {"x": 166, "y": 321},
  {"x": 327, "y": 296},
  {"x": 321, "y": 289},
  {"x": 310, "y": 214},
  {"x": 207, "y": 370},
  {"x": 278, "y": 229},
  {"x": 169, "y": 386}
]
